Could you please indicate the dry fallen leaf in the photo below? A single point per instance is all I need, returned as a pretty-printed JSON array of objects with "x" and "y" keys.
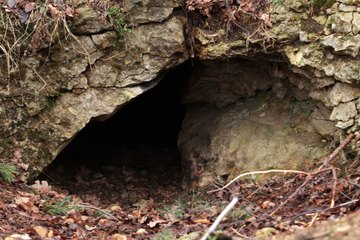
[
  {"x": 201, "y": 221},
  {"x": 141, "y": 231},
  {"x": 40, "y": 231},
  {"x": 54, "y": 11},
  {"x": 115, "y": 208},
  {"x": 42, "y": 186},
  {"x": 265, "y": 232},
  {"x": 19, "y": 237},
  {"x": 90, "y": 228},
  {"x": 118, "y": 237},
  {"x": 29, "y": 7},
  {"x": 21, "y": 200},
  {"x": 267, "y": 204},
  {"x": 153, "y": 224}
]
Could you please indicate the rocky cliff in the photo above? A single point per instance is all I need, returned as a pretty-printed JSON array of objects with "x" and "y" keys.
[{"x": 307, "y": 51}]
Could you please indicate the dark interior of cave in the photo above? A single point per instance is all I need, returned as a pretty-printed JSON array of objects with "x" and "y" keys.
[{"x": 137, "y": 145}]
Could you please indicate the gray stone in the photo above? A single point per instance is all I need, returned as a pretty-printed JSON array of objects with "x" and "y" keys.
[
  {"x": 344, "y": 125},
  {"x": 350, "y": 2},
  {"x": 342, "y": 22},
  {"x": 339, "y": 93},
  {"x": 320, "y": 121},
  {"x": 356, "y": 23},
  {"x": 88, "y": 21},
  {"x": 344, "y": 112},
  {"x": 102, "y": 75},
  {"x": 238, "y": 79},
  {"x": 342, "y": 93},
  {"x": 146, "y": 11},
  {"x": 217, "y": 144},
  {"x": 346, "y": 8},
  {"x": 104, "y": 40},
  {"x": 349, "y": 45}
]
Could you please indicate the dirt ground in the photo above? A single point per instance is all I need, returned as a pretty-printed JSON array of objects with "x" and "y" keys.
[{"x": 147, "y": 200}]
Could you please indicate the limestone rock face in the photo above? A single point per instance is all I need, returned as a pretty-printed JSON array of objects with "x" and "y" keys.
[
  {"x": 216, "y": 144},
  {"x": 48, "y": 97},
  {"x": 223, "y": 82},
  {"x": 95, "y": 74},
  {"x": 322, "y": 49}
]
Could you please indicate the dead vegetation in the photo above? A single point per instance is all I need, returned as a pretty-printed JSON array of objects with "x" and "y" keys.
[
  {"x": 28, "y": 26},
  {"x": 246, "y": 19},
  {"x": 150, "y": 205}
]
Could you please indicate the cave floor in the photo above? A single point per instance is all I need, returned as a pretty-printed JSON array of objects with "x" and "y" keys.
[{"x": 146, "y": 201}]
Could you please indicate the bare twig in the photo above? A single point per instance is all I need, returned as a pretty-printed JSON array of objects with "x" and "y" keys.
[
  {"x": 219, "y": 218},
  {"x": 97, "y": 209},
  {"x": 293, "y": 195},
  {"x": 239, "y": 234},
  {"x": 333, "y": 194},
  {"x": 313, "y": 220},
  {"x": 339, "y": 148},
  {"x": 257, "y": 172}
]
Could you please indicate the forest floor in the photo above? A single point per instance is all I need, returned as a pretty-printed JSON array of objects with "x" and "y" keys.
[{"x": 148, "y": 202}]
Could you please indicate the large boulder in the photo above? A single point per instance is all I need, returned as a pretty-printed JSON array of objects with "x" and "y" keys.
[{"x": 259, "y": 133}]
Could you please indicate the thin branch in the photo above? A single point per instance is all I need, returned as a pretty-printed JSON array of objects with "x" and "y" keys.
[
  {"x": 239, "y": 234},
  {"x": 291, "y": 196},
  {"x": 333, "y": 193},
  {"x": 97, "y": 209},
  {"x": 340, "y": 147},
  {"x": 257, "y": 172},
  {"x": 219, "y": 218}
]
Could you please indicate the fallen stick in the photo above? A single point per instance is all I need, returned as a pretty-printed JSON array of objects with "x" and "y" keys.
[
  {"x": 340, "y": 147},
  {"x": 97, "y": 209},
  {"x": 239, "y": 234},
  {"x": 213, "y": 227},
  {"x": 257, "y": 172},
  {"x": 293, "y": 195}
]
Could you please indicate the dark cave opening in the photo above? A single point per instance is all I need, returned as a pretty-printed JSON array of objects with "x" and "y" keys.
[{"x": 134, "y": 148}]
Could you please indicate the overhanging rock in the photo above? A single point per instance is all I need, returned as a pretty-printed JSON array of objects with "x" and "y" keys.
[{"x": 54, "y": 95}]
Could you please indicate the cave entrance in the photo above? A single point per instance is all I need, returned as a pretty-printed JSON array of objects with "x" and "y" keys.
[
  {"x": 140, "y": 152},
  {"x": 132, "y": 154}
]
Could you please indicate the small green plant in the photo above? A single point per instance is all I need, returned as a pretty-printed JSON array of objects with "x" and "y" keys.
[
  {"x": 215, "y": 236},
  {"x": 117, "y": 18},
  {"x": 51, "y": 101},
  {"x": 166, "y": 234},
  {"x": 8, "y": 172},
  {"x": 61, "y": 208},
  {"x": 177, "y": 209},
  {"x": 277, "y": 2},
  {"x": 240, "y": 213}
]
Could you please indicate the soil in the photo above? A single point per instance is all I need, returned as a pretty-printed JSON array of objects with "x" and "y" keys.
[{"x": 146, "y": 200}]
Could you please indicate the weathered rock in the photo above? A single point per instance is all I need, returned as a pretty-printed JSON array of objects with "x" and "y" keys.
[
  {"x": 320, "y": 121},
  {"x": 149, "y": 11},
  {"x": 223, "y": 83},
  {"x": 349, "y": 45},
  {"x": 256, "y": 134},
  {"x": 85, "y": 77},
  {"x": 344, "y": 112},
  {"x": 342, "y": 22},
  {"x": 88, "y": 21},
  {"x": 356, "y": 23},
  {"x": 49, "y": 97},
  {"x": 339, "y": 93},
  {"x": 350, "y": 2},
  {"x": 345, "y": 228}
]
